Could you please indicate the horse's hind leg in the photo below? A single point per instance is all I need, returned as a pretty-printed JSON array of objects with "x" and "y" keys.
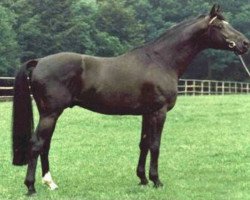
[
  {"x": 38, "y": 141},
  {"x": 46, "y": 175}
]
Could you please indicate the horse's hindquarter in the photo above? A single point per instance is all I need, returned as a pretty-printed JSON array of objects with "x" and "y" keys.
[
  {"x": 57, "y": 79},
  {"x": 124, "y": 85}
]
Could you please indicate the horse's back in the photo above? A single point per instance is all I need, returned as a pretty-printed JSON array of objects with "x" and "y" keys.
[{"x": 57, "y": 66}]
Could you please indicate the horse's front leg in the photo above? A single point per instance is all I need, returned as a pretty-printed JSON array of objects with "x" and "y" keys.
[
  {"x": 152, "y": 125},
  {"x": 157, "y": 123},
  {"x": 144, "y": 147}
]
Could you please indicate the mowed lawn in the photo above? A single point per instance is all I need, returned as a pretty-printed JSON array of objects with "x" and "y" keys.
[{"x": 205, "y": 154}]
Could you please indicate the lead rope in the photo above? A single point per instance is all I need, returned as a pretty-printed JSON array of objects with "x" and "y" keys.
[{"x": 244, "y": 65}]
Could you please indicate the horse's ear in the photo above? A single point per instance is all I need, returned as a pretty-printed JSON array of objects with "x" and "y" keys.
[
  {"x": 218, "y": 9},
  {"x": 214, "y": 11}
]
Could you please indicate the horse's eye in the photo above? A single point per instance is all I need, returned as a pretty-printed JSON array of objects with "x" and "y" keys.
[{"x": 220, "y": 26}]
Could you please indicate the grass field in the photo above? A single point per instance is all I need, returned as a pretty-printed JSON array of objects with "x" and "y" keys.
[{"x": 205, "y": 154}]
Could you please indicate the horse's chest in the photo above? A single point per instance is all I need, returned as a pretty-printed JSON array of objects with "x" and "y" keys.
[{"x": 157, "y": 94}]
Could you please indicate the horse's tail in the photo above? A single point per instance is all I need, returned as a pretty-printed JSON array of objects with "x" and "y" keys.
[{"x": 22, "y": 116}]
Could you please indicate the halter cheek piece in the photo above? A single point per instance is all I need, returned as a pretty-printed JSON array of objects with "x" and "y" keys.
[
  {"x": 212, "y": 20},
  {"x": 231, "y": 44}
]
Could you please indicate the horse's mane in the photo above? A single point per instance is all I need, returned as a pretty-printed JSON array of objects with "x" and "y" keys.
[
  {"x": 175, "y": 28},
  {"x": 171, "y": 31},
  {"x": 184, "y": 24}
]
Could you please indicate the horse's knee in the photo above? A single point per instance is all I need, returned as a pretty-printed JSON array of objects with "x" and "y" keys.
[
  {"x": 144, "y": 144},
  {"x": 155, "y": 148},
  {"x": 143, "y": 147}
]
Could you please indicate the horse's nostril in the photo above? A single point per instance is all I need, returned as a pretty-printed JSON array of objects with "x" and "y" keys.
[{"x": 246, "y": 43}]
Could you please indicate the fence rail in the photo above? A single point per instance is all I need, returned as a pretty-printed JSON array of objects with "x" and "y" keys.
[
  {"x": 211, "y": 87},
  {"x": 185, "y": 87},
  {"x": 6, "y": 88}
]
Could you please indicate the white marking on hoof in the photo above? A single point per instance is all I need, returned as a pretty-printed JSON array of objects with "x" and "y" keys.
[{"x": 47, "y": 180}]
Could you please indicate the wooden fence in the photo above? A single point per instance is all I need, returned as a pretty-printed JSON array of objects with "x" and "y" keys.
[
  {"x": 185, "y": 87},
  {"x": 6, "y": 88},
  {"x": 211, "y": 87}
]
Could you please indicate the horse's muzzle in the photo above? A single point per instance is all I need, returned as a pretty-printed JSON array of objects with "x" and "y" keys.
[
  {"x": 246, "y": 45},
  {"x": 240, "y": 48}
]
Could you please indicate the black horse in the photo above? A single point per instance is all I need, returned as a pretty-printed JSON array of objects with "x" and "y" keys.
[{"x": 142, "y": 81}]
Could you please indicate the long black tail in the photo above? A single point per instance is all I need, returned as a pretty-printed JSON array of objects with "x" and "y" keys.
[{"x": 22, "y": 122}]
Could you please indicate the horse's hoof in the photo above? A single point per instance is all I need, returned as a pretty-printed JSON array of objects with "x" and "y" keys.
[
  {"x": 31, "y": 192},
  {"x": 47, "y": 180},
  {"x": 51, "y": 185},
  {"x": 143, "y": 182},
  {"x": 158, "y": 184}
]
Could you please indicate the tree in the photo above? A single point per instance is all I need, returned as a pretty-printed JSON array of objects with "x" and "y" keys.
[
  {"x": 9, "y": 48},
  {"x": 117, "y": 21},
  {"x": 46, "y": 27},
  {"x": 83, "y": 29}
]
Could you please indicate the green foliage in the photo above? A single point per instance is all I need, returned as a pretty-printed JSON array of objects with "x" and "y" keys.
[
  {"x": 46, "y": 32},
  {"x": 108, "y": 45},
  {"x": 109, "y": 28},
  {"x": 8, "y": 43},
  {"x": 81, "y": 38},
  {"x": 204, "y": 154},
  {"x": 118, "y": 20}
]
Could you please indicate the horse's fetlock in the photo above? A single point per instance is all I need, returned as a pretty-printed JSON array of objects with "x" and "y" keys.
[
  {"x": 153, "y": 177},
  {"x": 140, "y": 172},
  {"x": 29, "y": 183}
]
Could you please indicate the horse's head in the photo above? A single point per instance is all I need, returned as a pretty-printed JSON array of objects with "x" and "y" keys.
[{"x": 221, "y": 35}]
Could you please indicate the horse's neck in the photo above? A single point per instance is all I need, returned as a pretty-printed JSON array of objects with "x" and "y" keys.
[{"x": 179, "y": 49}]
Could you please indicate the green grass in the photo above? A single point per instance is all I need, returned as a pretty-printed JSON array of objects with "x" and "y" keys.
[{"x": 205, "y": 154}]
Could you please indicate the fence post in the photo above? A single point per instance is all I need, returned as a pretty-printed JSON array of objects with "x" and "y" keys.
[
  {"x": 193, "y": 85},
  {"x": 202, "y": 88},
  {"x": 209, "y": 87},
  {"x": 223, "y": 88},
  {"x": 216, "y": 87},
  {"x": 185, "y": 89}
]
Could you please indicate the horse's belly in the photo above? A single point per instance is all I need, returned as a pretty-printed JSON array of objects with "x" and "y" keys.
[
  {"x": 140, "y": 110},
  {"x": 119, "y": 104}
]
